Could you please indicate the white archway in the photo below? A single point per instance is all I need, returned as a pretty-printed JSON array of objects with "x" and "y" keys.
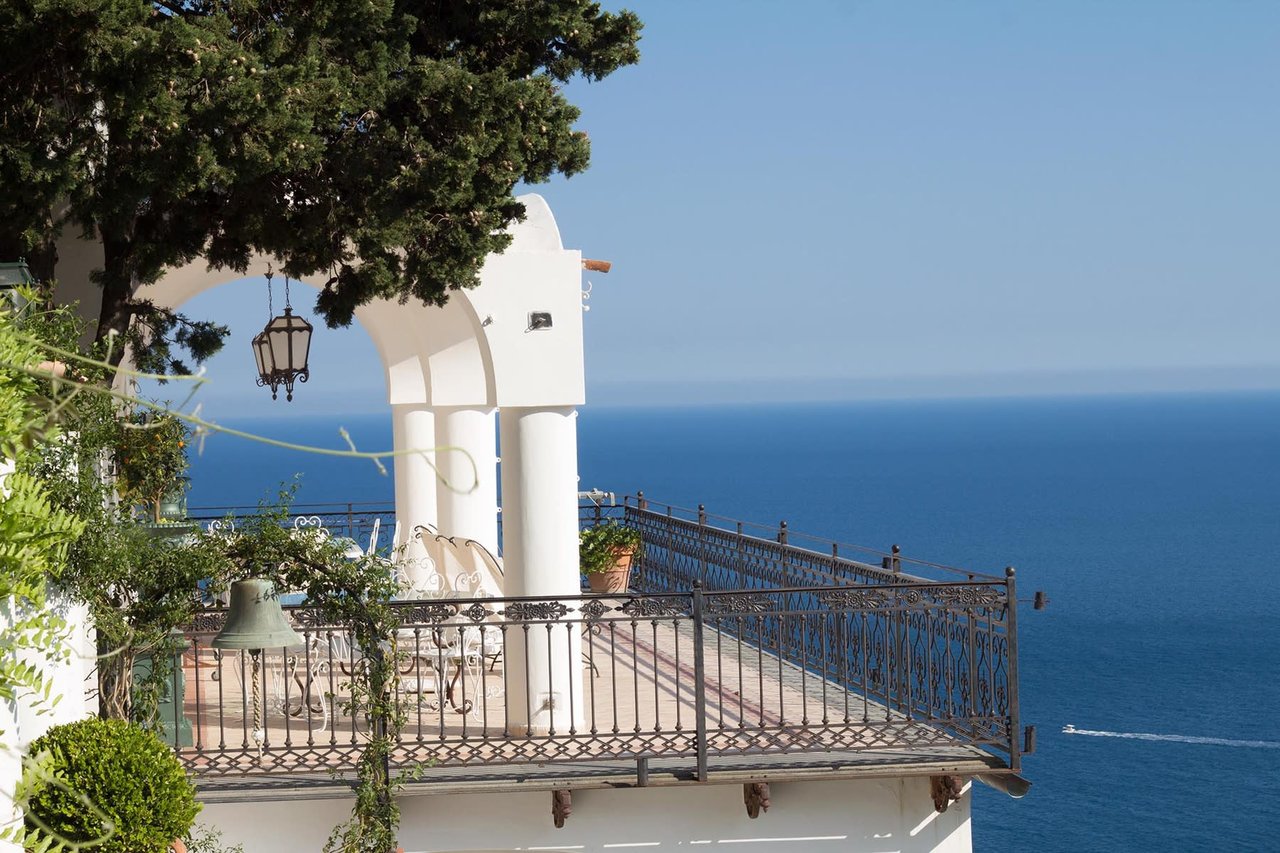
[{"x": 449, "y": 371}]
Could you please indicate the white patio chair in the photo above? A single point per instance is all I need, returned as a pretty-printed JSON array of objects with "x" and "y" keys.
[{"x": 458, "y": 658}]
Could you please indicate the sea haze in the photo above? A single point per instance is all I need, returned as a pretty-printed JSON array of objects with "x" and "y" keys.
[{"x": 1153, "y": 523}]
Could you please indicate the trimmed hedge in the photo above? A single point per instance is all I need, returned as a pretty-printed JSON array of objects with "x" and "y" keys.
[{"x": 133, "y": 780}]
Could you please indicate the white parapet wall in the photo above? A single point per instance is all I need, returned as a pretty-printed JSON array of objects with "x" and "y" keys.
[{"x": 880, "y": 815}]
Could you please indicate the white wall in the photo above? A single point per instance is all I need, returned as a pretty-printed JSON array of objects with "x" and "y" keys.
[{"x": 881, "y": 815}]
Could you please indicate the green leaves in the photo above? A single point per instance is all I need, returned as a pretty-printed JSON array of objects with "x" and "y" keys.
[
  {"x": 599, "y": 546},
  {"x": 376, "y": 143},
  {"x": 109, "y": 784},
  {"x": 35, "y": 537}
]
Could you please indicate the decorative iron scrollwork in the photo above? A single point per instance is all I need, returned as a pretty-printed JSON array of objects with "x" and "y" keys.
[
  {"x": 594, "y": 609},
  {"x": 312, "y": 617},
  {"x": 208, "y": 621},
  {"x": 646, "y": 608},
  {"x": 967, "y": 596},
  {"x": 432, "y": 613},
  {"x": 857, "y": 599},
  {"x": 536, "y": 611},
  {"x": 740, "y": 604},
  {"x": 476, "y": 612}
]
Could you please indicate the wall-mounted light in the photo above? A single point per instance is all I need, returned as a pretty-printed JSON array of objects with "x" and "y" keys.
[{"x": 539, "y": 320}]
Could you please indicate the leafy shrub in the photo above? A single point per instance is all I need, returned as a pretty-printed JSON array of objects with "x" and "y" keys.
[
  {"x": 107, "y": 778},
  {"x": 206, "y": 839},
  {"x": 600, "y": 546}
]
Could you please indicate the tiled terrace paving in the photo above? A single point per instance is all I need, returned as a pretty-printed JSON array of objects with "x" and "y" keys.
[{"x": 733, "y": 657}]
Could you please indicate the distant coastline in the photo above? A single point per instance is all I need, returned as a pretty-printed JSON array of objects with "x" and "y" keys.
[{"x": 1013, "y": 384}]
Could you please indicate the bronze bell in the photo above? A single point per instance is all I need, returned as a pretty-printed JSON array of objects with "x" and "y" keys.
[{"x": 255, "y": 620}]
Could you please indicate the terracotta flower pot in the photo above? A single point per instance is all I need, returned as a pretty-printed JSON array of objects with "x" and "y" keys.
[
  {"x": 178, "y": 846},
  {"x": 615, "y": 578}
]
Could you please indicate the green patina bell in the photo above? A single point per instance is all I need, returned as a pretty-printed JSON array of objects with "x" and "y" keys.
[{"x": 255, "y": 620}]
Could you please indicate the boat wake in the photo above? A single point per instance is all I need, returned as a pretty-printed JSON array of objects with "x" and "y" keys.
[{"x": 1069, "y": 729}]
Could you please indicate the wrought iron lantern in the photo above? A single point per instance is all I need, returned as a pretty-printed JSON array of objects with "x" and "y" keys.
[{"x": 281, "y": 349}]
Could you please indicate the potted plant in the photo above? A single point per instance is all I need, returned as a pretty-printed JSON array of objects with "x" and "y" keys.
[
  {"x": 151, "y": 466},
  {"x": 108, "y": 785},
  {"x": 605, "y": 552}
]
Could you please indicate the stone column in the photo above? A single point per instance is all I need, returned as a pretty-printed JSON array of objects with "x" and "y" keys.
[
  {"x": 467, "y": 495},
  {"x": 413, "y": 427},
  {"x": 540, "y": 540}
]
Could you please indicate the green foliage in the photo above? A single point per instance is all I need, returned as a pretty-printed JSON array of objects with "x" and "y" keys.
[
  {"x": 107, "y": 780},
  {"x": 34, "y": 538},
  {"x": 34, "y": 535},
  {"x": 599, "y": 546},
  {"x": 140, "y": 587},
  {"x": 139, "y": 584},
  {"x": 373, "y": 142},
  {"x": 206, "y": 839},
  {"x": 357, "y": 593},
  {"x": 156, "y": 332}
]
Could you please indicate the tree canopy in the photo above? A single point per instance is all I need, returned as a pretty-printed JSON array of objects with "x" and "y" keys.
[{"x": 376, "y": 143}]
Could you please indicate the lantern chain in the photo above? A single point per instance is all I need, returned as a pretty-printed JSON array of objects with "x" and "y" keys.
[{"x": 270, "y": 310}]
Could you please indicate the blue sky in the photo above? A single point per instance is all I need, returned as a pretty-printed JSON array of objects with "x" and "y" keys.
[{"x": 829, "y": 200}]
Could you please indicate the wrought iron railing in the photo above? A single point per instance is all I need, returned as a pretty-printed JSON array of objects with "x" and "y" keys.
[
  {"x": 727, "y": 644},
  {"x": 355, "y": 521},
  {"x": 923, "y": 660}
]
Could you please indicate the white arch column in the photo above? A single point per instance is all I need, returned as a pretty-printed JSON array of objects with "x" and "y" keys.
[
  {"x": 540, "y": 539},
  {"x": 413, "y": 427},
  {"x": 468, "y": 496}
]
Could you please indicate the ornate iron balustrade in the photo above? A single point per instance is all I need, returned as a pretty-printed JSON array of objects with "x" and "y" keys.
[
  {"x": 974, "y": 632},
  {"x": 699, "y": 676},
  {"x": 353, "y": 521},
  {"x": 728, "y": 644}
]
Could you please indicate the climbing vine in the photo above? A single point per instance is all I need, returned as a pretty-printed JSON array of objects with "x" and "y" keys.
[{"x": 356, "y": 594}]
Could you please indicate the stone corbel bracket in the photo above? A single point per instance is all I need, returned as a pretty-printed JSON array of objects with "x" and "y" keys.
[
  {"x": 945, "y": 790},
  {"x": 561, "y": 806},
  {"x": 756, "y": 797}
]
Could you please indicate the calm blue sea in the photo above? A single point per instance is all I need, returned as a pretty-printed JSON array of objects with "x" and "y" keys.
[{"x": 1152, "y": 522}]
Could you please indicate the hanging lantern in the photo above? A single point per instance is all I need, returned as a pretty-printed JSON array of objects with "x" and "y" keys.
[
  {"x": 281, "y": 349},
  {"x": 262, "y": 357}
]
